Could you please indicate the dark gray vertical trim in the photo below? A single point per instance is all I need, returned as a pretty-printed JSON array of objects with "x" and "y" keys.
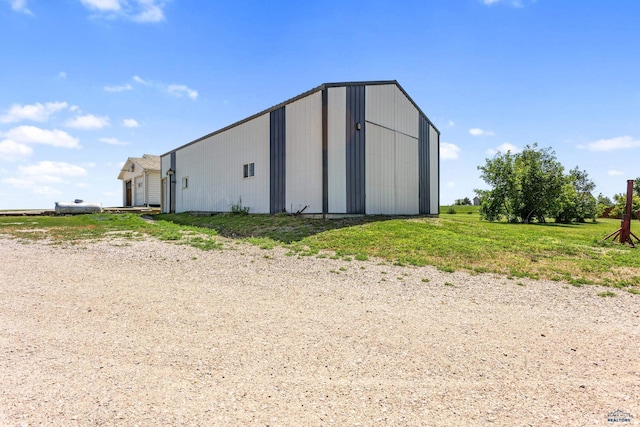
[
  {"x": 325, "y": 154},
  {"x": 424, "y": 188},
  {"x": 172, "y": 184},
  {"x": 438, "y": 160},
  {"x": 355, "y": 149},
  {"x": 277, "y": 160}
]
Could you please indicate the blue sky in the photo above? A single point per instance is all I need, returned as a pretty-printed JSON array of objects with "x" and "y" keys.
[{"x": 88, "y": 83}]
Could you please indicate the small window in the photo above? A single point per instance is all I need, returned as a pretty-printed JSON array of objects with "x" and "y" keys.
[
  {"x": 248, "y": 170},
  {"x": 185, "y": 182}
]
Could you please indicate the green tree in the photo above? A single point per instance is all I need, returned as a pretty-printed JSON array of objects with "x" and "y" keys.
[
  {"x": 620, "y": 201},
  {"x": 463, "y": 202},
  {"x": 576, "y": 203},
  {"x": 525, "y": 187},
  {"x": 602, "y": 203},
  {"x": 499, "y": 174}
]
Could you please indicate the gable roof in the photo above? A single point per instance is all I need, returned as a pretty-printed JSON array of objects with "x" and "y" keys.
[
  {"x": 305, "y": 94},
  {"x": 148, "y": 162}
]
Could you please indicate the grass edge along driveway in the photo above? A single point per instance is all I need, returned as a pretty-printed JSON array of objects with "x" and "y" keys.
[{"x": 573, "y": 253}]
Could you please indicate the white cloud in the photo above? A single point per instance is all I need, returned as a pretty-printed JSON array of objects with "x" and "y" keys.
[
  {"x": 32, "y": 185},
  {"x": 514, "y": 3},
  {"x": 137, "y": 79},
  {"x": 618, "y": 143},
  {"x": 180, "y": 90},
  {"x": 503, "y": 148},
  {"x": 614, "y": 172},
  {"x": 62, "y": 75},
  {"x": 36, "y": 112},
  {"x": 113, "y": 141},
  {"x": 20, "y": 6},
  {"x": 149, "y": 11},
  {"x": 35, "y": 135},
  {"x": 144, "y": 11},
  {"x": 449, "y": 151},
  {"x": 451, "y": 123},
  {"x": 481, "y": 132},
  {"x": 88, "y": 121},
  {"x": 102, "y": 5},
  {"x": 38, "y": 177},
  {"x": 130, "y": 123},
  {"x": 451, "y": 184},
  {"x": 11, "y": 151},
  {"x": 48, "y": 170},
  {"x": 120, "y": 88}
]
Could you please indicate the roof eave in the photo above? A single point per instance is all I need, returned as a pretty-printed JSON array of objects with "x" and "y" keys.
[{"x": 304, "y": 95}]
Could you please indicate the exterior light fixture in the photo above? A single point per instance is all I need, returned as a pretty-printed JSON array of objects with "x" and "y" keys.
[
  {"x": 170, "y": 172},
  {"x": 358, "y": 126}
]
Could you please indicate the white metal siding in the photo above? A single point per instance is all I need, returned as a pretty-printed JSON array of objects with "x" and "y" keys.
[
  {"x": 138, "y": 190},
  {"x": 407, "y": 177},
  {"x": 215, "y": 170},
  {"x": 124, "y": 193},
  {"x": 392, "y": 152},
  {"x": 153, "y": 188},
  {"x": 380, "y": 171},
  {"x": 406, "y": 118},
  {"x": 380, "y": 104},
  {"x": 434, "y": 172},
  {"x": 304, "y": 154},
  {"x": 336, "y": 140},
  {"x": 391, "y": 172},
  {"x": 388, "y": 106}
]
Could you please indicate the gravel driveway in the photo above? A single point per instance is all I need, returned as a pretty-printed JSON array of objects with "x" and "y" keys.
[{"x": 147, "y": 333}]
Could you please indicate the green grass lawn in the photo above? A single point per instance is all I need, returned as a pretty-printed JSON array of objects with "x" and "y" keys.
[{"x": 573, "y": 253}]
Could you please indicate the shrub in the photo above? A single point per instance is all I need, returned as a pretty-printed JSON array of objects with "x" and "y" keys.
[{"x": 238, "y": 208}]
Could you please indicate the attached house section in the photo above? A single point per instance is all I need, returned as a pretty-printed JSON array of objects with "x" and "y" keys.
[
  {"x": 141, "y": 181},
  {"x": 341, "y": 148}
]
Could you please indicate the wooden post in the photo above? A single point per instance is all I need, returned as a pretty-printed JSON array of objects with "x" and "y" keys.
[
  {"x": 624, "y": 232},
  {"x": 625, "y": 226}
]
